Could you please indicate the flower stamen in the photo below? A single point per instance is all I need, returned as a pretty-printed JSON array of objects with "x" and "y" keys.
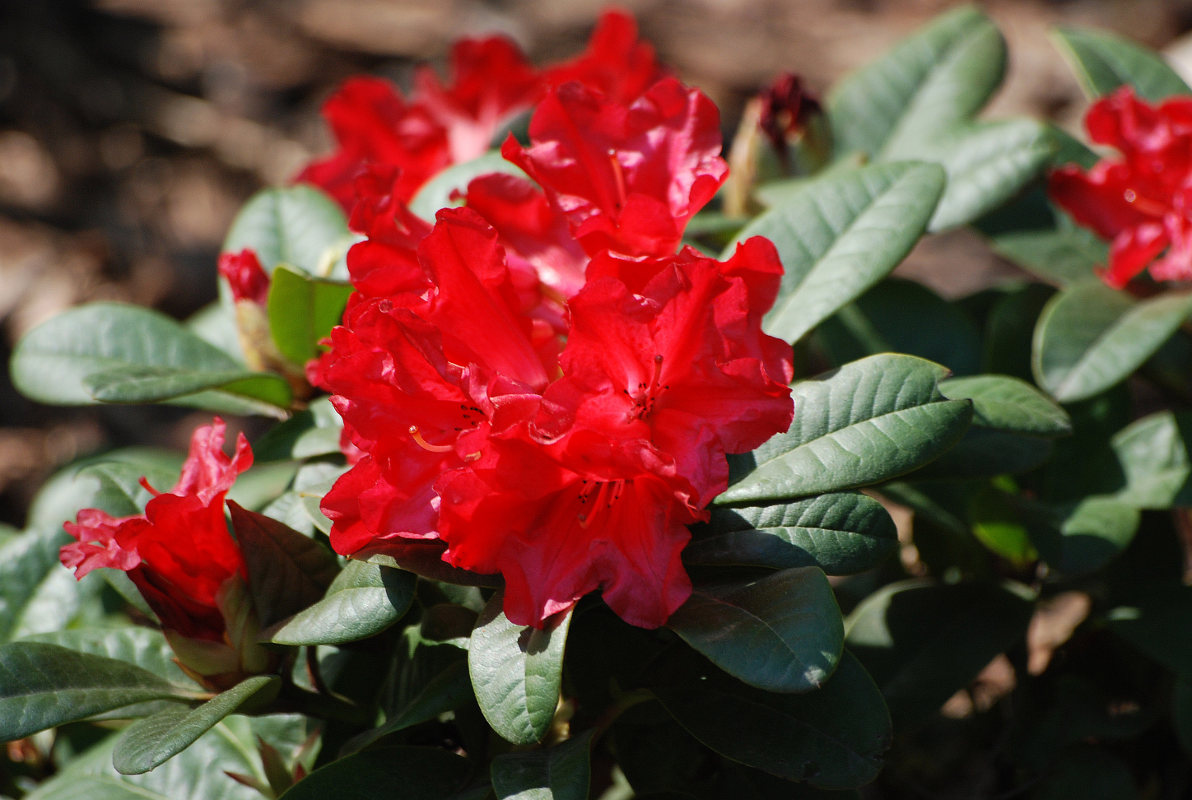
[{"x": 425, "y": 445}]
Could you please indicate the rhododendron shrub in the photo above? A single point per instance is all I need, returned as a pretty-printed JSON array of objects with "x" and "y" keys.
[{"x": 573, "y": 451}]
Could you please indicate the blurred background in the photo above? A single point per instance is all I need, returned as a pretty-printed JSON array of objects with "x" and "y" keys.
[{"x": 131, "y": 131}]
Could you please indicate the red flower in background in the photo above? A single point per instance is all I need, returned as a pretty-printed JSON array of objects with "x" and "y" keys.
[
  {"x": 490, "y": 83},
  {"x": 179, "y": 553},
  {"x": 616, "y": 63},
  {"x": 1141, "y": 201}
]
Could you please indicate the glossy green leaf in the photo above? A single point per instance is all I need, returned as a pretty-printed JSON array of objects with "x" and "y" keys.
[
  {"x": 868, "y": 421},
  {"x": 1103, "y": 62},
  {"x": 516, "y": 672},
  {"x": 117, "y": 353},
  {"x": 841, "y": 533},
  {"x": 782, "y": 633},
  {"x": 902, "y": 316},
  {"x": 997, "y": 525},
  {"x": 159, "y": 384},
  {"x": 142, "y": 647},
  {"x": 922, "y": 642},
  {"x": 151, "y": 741},
  {"x": 1153, "y": 455},
  {"x": 446, "y": 691},
  {"x": 561, "y": 772},
  {"x": 839, "y": 235},
  {"x": 286, "y": 571},
  {"x": 296, "y": 225},
  {"x": 43, "y": 685},
  {"x": 302, "y": 310},
  {"x": 232, "y": 745},
  {"x": 363, "y": 600},
  {"x": 1090, "y": 337},
  {"x": 832, "y": 738},
  {"x": 36, "y": 594},
  {"x": 987, "y": 164},
  {"x": 941, "y": 75},
  {"x": 986, "y": 453},
  {"x": 437, "y": 192},
  {"x": 1062, "y": 255},
  {"x": 312, "y": 432},
  {"x": 1155, "y": 621},
  {"x": 417, "y": 773},
  {"x": 1008, "y": 404}
]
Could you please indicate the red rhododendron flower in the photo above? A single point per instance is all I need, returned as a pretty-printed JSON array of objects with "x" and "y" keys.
[
  {"x": 245, "y": 276},
  {"x": 179, "y": 553},
  {"x": 371, "y": 122},
  {"x": 477, "y": 437},
  {"x": 616, "y": 63},
  {"x": 449, "y": 123},
  {"x": 1141, "y": 201},
  {"x": 627, "y": 177},
  {"x": 491, "y": 81}
]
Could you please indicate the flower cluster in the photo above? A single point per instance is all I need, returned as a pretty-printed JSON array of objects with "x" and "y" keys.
[
  {"x": 1141, "y": 202},
  {"x": 182, "y": 558},
  {"x": 439, "y": 125},
  {"x": 541, "y": 384}
]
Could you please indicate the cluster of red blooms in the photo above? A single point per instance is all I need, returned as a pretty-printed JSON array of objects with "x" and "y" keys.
[
  {"x": 1141, "y": 202},
  {"x": 539, "y": 385}
]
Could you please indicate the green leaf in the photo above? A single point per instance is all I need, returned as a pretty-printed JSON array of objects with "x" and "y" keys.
[
  {"x": 418, "y": 773},
  {"x": 516, "y": 672},
  {"x": 436, "y": 193},
  {"x": 868, "y": 421},
  {"x": 233, "y": 745},
  {"x": 302, "y": 310},
  {"x": 1091, "y": 337},
  {"x": 1062, "y": 254},
  {"x": 901, "y": 316},
  {"x": 841, "y": 533},
  {"x": 557, "y": 773},
  {"x": 1082, "y": 537},
  {"x": 152, "y": 741},
  {"x": 43, "y": 685},
  {"x": 307, "y": 434},
  {"x": 833, "y": 738},
  {"x": 118, "y": 353},
  {"x": 142, "y": 647},
  {"x": 446, "y": 691},
  {"x": 131, "y": 384},
  {"x": 987, "y": 164},
  {"x": 1155, "y": 621},
  {"x": 286, "y": 571},
  {"x": 295, "y": 225},
  {"x": 941, "y": 75},
  {"x": 782, "y": 633},
  {"x": 363, "y": 600},
  {"x": 1153, "y": 455},
  {"x": 922, "y": 642},
  {"x": 36, "y": 594},
  {"x": 839, "y": 235},
  {"x": 1008, "y": 404},
  {"x": 1103, "y": 62},
  {"x": 986, "y": 453}
]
